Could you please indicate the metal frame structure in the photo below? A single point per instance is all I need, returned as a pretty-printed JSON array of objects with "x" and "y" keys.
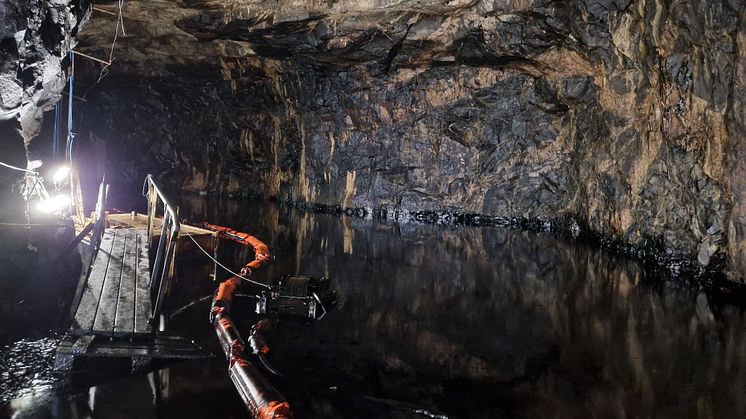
[{"x": 164, "y": 256}]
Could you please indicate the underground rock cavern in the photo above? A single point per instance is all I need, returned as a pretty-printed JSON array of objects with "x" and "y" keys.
[{"x": 374, "y": 209}]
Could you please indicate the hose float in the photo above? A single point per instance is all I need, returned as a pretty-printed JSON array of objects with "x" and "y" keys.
[{"x": 261, "y": 398}]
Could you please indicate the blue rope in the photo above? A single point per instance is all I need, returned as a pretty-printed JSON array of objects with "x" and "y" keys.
[
  {"x": 56, "y": 132},
  {"x": 70, "y": 96},
  {"x": 70, "y": 133}
]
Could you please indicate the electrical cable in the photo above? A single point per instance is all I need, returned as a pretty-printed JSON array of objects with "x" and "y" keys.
[
  {"x": 10, "y": 166},
  {"x": 120, "y": 23},
  {"x": 105, "y": 69},
  {"x": 224, "y": 267},
  {"x": 187, "y": 305},
  {"x": 29, "y": 225}
]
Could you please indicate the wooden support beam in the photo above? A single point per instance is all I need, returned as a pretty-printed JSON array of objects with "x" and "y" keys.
[
  {"x": 74, "y": 242},
  {"x": 78, "y": 196},
  {"x": 91, "y": 58},
  {"x": 30, "y": 225},
  {"x": 75, "y": 97},
  {"x": 98, "y": 9},
  {"x": 159, "y": 347}
]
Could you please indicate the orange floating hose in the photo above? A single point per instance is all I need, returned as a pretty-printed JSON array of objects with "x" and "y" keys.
[
  {"x": 261, "y": 250},
  {"x": 258, "y": 394}
]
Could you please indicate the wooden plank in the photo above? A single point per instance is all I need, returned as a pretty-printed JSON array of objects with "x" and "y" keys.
[
  {"x": 107, "y": 306},
  {"x": 78, "y": 196},
  {"x": 82, "y": 344},
  {"x": 86, "y": 312},
  {"x": 124, "y": 322},
  {"x": 143, "y": 305},
  {"x": 163, "y": 347}
]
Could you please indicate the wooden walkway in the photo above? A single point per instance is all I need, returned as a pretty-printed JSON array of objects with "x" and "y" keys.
[{"x": 115, "y": 299}]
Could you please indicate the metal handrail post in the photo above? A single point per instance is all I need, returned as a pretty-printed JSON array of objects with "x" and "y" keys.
[
  {"x": 98, "y": 231},
  {"x": 159, "y": 252},
  {"x": 152, "y": 206},
  {"x": 164, "y": 277},
  {"x": 170, "y": 229},
  {"x": 167, "y": 207}
]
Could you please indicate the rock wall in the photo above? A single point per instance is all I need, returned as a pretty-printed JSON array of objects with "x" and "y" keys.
[
  {"x": 35, "y": 38},
  {"x": 626, "y": 117}
]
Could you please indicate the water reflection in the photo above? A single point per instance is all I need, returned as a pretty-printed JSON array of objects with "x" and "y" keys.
[
  {"x": 461, "y": 322},
  {"x": 482, "y": 321}
]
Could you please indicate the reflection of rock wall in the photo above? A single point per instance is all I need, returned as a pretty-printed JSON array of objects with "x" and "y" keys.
[
  {"x": 625, "y": 115},
  {"x": 545, "y": 326},
  {"x": 540, "y": 325}
]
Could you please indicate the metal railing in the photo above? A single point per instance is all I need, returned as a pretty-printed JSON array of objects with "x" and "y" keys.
[
  {"x": 164, "y": 256},
  {"x": 100, "y": 222}
]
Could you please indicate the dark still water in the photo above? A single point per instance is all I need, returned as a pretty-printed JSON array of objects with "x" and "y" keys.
[{"x": 436, "y": 321}]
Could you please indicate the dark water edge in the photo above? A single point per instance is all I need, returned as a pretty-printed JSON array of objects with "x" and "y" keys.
[
  {"x": 651, "y": 252},
  {"x": 433, "y": 320}
]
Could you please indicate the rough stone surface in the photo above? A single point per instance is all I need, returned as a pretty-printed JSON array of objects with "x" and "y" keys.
[
  {"x": 35, "y": 38},
  {"x": 625, "y": 116}
]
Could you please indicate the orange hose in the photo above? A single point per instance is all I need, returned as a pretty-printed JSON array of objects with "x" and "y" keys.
[
  {"x": 258, "y": 394},
  {"x": 261, "y": 250},
  {"x": 226, "y": 289}
]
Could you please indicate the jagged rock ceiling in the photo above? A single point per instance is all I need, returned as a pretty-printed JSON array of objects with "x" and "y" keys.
[
  {"x": 625, "y": 117},
  {"x": 337, "y": 35}
]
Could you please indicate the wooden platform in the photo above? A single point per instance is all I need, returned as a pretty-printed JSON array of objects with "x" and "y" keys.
[
  {"x": 115, "y": 300},
  {"x": 140, "y": 222},
  {"x": 185, "y": 248}
]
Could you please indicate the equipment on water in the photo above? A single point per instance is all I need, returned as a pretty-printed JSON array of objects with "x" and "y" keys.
[{"x": 298, "y": 295}]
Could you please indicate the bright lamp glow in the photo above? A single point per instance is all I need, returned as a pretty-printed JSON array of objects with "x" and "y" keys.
[
  {"x": 61, "y": 174},
  {"x": 53, "y": 204}
]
